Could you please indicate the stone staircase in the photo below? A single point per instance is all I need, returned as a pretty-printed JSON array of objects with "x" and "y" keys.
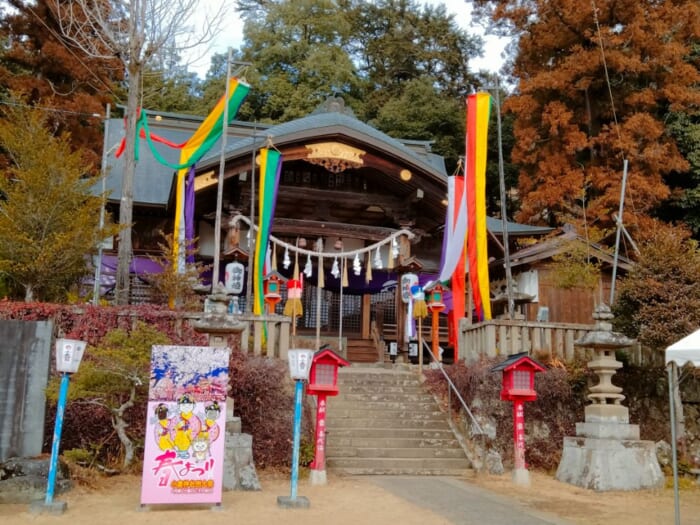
[{"x": 385, "y": 422}]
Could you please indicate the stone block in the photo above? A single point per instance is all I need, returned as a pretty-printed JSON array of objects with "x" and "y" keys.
[
  {"x": 609, "y": 464},
  {"x": 239, "y": 467},
  {"x": 24, "y": 480},
  {"x": 607, "y": 413},
  {"x": 607, "y": 431}
]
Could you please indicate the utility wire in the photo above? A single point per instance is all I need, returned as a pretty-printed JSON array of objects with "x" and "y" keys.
[
  {"x": 68, "y": 48},
  {"x": 49, "y": 109}
]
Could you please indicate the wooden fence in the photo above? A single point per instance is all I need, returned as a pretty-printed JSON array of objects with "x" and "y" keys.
[
  {"x": 266, "y": 335},
  {"x": 503, "y": 338}
]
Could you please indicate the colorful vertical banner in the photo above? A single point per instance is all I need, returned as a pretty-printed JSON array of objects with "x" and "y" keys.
[
  {"x": 453, "y": 259},
  {"x": 185, "y": 425},
  {"x": 478, "y": 109},
  {"x": 195, "y": 148},
  {"x": 270, "y": 167},
  {"x": 458, "y": 283}
]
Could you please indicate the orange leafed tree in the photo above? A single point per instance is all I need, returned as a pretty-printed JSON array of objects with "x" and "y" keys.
[
  {"x": 37, "y": 63},
  {"x": 572, "y": 127}
]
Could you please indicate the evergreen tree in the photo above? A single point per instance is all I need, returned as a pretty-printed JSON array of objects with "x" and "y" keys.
[
  {"x": 401, "y": 67},
  {"x": 49, "y": 220},
  {"x": 299, "y": 56}
]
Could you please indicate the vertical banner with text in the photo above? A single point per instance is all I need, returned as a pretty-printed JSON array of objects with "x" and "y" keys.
[{"x": 184, "y": 442}]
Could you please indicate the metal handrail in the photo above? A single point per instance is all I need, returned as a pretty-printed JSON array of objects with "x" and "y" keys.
[{"x": 453, "y": 387}]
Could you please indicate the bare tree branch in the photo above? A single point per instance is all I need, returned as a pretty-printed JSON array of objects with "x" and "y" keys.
[{"x": 134, "y": 31}]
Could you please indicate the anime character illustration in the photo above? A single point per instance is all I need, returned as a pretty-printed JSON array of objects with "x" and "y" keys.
[
  {"x": 211, "y": 427},
  {"x": 200, "y": 447},
  {"x": 161, "y": 429},
  {"x": 184, "y": 426}
]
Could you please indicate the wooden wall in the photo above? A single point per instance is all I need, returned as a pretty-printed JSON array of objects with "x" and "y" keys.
[{"x": 567, "y": 305}]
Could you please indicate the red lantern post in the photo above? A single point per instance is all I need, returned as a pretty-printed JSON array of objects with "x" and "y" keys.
[
  {"x": 272, "y": 291},
  {"x": 519, "y": 386},
  {"x": 323, "y": 382}
]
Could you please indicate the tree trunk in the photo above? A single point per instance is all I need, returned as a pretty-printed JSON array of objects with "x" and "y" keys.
[
  {"x": 127, "y": 198},
  {"x": 28, "y": 294},
  {"x": 120, "y": 425}
]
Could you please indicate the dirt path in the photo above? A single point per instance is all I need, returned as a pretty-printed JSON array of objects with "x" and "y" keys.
[{"x": 353, "y": 501}]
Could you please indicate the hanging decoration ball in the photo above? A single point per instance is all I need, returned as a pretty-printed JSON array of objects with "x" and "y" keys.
[
  {"x": 338, "y": 244},
  {"x": 301, "y": 242},
  {"x": 335, "y": 269}
]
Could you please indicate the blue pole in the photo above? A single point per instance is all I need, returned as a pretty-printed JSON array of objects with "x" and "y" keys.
[
  {"x": 60, "y": 410},
  {"x": 297, "y": 431}
]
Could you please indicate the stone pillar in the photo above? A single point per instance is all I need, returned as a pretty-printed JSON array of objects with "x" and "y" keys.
[
  {"x": 606, "y": 453},
  {"x": 239, "y": 467}
]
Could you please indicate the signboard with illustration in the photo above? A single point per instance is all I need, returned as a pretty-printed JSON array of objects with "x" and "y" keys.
[{"x": 184, "y": 445}]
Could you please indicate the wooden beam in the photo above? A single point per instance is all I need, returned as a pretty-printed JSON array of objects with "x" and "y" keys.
[{"x": 295, "y": 193}]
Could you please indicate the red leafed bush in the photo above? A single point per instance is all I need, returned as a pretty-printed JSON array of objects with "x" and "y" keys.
[
  {"x": 263, "y": 397},
  {"x": 561, "y": 398},
  {"x": 91, "y": 323}
]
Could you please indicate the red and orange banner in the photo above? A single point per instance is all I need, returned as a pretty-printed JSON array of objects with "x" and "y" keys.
[{"x": 478, "y": 110}]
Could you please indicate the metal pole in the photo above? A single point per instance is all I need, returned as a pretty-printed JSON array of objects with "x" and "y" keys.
[
  {"x": 220, "y": 182},
  {"x": 340, "y": 322},
  {"x": 103, "y": 168},
  {"x": 60, "y": 410},
  {"x": 504, "y": 209},
  {"x": 251, "y": 230},
  {"x": 674, "y": 453},
  {"x": 619, "y": 228},
  {"x": 420, "y": 345},
  {"x": 318, "y": 315},
  {"x": 297, "y": 431}
]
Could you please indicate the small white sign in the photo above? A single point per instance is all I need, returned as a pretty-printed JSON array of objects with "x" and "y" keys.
[{"x": 69, "y": 353}]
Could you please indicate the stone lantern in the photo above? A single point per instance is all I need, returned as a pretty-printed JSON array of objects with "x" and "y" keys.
[{"x": 606, "y": 453}]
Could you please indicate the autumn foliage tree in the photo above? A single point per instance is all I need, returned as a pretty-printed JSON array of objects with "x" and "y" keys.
[
  {"x": 658, "y": 301},
  {"x": 48, "y": 71},
  {"x": 595, "y": 83}
]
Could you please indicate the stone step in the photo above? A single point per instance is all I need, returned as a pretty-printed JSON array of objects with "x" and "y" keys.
[
  {"x": 379, "y": 388},
  {"x": 333, "y": 423},
  {"x": 397, "y": 452},
  {"x": 421, "y": 466},
  {"x": 364, "y": 397},
  {"x": 338, "y": 433},
  {"x": 397, "y": 471},
  {"x": 363, "y": 441},
  {"x": 385, "y": 422},
  {"x": 336, "y": 413},
  {"x": 386, "y": 379},
  {"x": 338, "y": 405}
]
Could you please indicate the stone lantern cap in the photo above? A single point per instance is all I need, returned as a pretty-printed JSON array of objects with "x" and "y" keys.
[{"x": 603, "y": 337}]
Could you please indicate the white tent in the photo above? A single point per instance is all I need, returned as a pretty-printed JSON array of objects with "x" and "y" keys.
[{"x": 680, "y": 353}]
